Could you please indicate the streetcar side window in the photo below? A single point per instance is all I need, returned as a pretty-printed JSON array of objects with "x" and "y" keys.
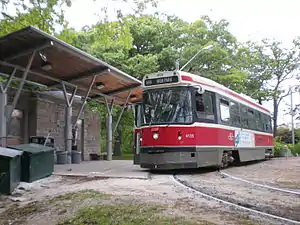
[
  {"x": 259, "y": 121},
  {"x": 251, "y": 119},
  {"x": 267, "y": 124},
  {"x": 244, "y": 117},
  {"x": 224, "y": 110},
  {"x": 270, "y": 124},
  {"x": 204, "y": 106},
  {"x": 235, "y": 114}
]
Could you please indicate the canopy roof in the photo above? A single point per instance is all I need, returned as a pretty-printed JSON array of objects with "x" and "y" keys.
[{"x": 57, "y": 62}]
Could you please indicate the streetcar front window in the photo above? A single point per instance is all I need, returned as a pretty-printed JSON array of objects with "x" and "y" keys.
[{"x": 167, "y": 106}]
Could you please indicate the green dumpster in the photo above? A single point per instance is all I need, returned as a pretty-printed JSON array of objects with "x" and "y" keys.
[
  {"x": 37, "y": 161},
  {"x": 10, "y": 168}
]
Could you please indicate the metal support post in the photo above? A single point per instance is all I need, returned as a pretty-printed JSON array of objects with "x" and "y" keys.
[
  {"x": 109, "y": 128},
  {"x": 292, "y": 119},
  {"x": 123, "y": 108},
  {"x": 84, "y": 101},
  {"x": 68, "y": 133},
  {"x": 109, "y": 137},
  {"x": 3, "y": 119},
  {"x": 68, "y": 123},
  {"x": 3, "y": 110},
  {"x": 18, "y": 93}
]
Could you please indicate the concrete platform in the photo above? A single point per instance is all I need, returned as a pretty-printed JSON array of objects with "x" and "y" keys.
[{"x": 105, "y": 169}]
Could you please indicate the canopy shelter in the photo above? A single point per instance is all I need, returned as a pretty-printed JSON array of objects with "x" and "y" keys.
[{"x": 32, "y": 55}]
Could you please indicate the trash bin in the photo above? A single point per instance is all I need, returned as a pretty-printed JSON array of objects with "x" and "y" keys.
[
  {"x": 10, "y": 170},
  {"x": 61, "y": 157},
  {"x": 76, "y": 157},
  {"x": 37, "y": 161},
  {"x": 41, "y": 140}
]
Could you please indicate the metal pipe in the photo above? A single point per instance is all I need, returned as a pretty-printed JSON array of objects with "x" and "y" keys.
[
  {"x": 109, "y": 136},
  {"x": 34, "y": 73},
  {"x": 27, "y": 81},
  {"x": 28, "y": 51},
  {"x": 120, "y": 116},
  {"x": 68, "y": 123},
  {"x": 109, "y": 129},
  {"x": 84, "y": 100},
  {"x": 65, "y": 94},
  {"x": 107, "y": 107},
  {"x": 3, "y": 109},
  {"x": 72, "y": 96},
  {"x": 57, "y": 80},
  {"x": 8, "y": 81},
  {"x": 292, "y": 119},
  {"x": 205, "y": 48},
  {"x": 18, "y": 93},
  {"x": 3, "y": 119},
  {"x": 68, "y": 133}
]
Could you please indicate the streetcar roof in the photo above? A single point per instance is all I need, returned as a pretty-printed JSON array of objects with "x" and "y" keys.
[{"x": 186, "y": 78}]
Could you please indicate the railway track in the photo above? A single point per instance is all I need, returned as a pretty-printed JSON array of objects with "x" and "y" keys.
[
  {"x": 210, "y": 192},
  {"x": 260, "y": 185}
]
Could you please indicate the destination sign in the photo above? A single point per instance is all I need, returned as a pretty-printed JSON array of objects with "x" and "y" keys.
[{"x": 161, "y": 80}]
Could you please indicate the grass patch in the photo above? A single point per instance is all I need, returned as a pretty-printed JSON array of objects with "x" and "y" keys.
[
  {"x": 244, "y": 220},
  {"x": 128, "y": 214},
  {"x": 80, "y": 195},
  {"x": 124, "y": 156},
  {"x": 18, "y": 214}
]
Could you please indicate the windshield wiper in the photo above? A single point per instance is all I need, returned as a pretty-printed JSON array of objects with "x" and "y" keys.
[
  {"x": 162, "y": 112},
  {"x": 158, "y": 99}
]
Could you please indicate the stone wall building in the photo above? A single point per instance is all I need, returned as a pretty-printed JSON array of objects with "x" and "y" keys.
[{"x": 38, "y": 113}]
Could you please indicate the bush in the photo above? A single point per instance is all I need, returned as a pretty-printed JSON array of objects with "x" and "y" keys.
[
  {"x": 295, "y": 149},
  {"x": 277, "y": 147}
]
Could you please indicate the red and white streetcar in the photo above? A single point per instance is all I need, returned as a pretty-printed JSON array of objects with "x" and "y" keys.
[{"x": 188, "y": 121}]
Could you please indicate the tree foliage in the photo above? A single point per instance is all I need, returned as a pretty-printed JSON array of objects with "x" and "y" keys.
[
  {"x": 269, "y": 66},
  {"x": 284, "y": 135},
  {"x": 43, "y": 14},
  {"x": 139, "y": 44}
]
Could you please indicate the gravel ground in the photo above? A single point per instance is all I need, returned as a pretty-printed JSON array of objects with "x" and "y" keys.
[
  {"x": 162, "y": 189},
  {"x": 279, "y": 172},
  {"x": 270, "y": 172},
  {"x": 275, "y": 203}
]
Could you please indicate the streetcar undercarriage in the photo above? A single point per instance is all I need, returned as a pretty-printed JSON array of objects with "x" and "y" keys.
[{"x": 162, "y": 160}]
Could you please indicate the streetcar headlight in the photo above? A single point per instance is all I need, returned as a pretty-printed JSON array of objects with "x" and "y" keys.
[
  {"x": 141, "y": 139},
  {"x": 179, "y": 136},
  {"x": 155, "y": 136}
]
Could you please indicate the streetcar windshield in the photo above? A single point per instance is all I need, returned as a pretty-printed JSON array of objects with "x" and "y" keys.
[{"x": 167, "y": 106}]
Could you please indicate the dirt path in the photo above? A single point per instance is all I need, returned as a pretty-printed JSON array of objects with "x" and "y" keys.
[
  {"x": 160, "y": 190},
  {"x": 272, "y": 202},
  {"x": 281, "y": 172}
]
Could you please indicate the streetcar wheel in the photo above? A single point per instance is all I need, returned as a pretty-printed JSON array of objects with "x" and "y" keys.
[{"x": 227, "y": 159}]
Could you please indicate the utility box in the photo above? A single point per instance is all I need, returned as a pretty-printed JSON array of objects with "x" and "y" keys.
[
  {"x": 37, "y": 161},
  {"x": 10, "y": 170}
]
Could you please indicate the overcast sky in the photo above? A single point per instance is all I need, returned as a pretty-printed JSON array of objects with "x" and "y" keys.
[{"x": 249, "y": 20}]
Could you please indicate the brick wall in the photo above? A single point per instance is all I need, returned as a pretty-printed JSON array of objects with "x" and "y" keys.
[
  {"x": 43, "y": 113},
  {"x": 51, "y": 115}
]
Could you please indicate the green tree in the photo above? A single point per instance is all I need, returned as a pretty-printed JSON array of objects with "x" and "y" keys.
[
  {"x": 269, "y": 65},
  {"x": 284, "y": 135},
  {"x": 43, "y": 14}
]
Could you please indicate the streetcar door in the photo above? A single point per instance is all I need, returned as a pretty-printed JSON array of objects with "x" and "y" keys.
[{"x": 137, "y": 134}]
